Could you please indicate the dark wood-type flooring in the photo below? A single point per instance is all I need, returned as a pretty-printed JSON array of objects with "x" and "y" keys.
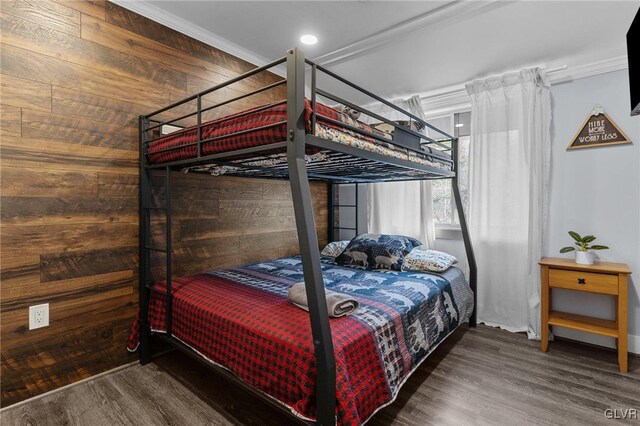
[{"x": 481, "y": 376}]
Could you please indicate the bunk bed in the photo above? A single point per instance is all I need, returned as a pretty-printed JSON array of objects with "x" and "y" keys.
[{"x": 297, "y": 139}]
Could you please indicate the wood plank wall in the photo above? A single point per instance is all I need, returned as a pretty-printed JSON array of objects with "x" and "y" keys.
[{"x": 74, "y": 76}]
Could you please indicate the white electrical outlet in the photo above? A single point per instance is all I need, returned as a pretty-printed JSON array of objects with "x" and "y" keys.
[{"x": 38, "y": 316}]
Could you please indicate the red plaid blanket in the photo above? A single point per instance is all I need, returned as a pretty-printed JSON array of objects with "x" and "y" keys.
[
  {"x": 266, "y": 341},
  {"x": 261, "y": 126}
]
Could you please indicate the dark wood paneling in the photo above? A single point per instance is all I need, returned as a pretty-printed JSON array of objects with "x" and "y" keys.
[
  {"x": 75, "y": 265},
  {"x": 74, "y": 77},
  {"x": 224, "y": 63},
  {"x": 76, "y": 130},
  {"x": 19, "y": 62},
  {"x": 10, "y": 117},
  {"x": 53, "y": 15},
  {"x": 95, "y": 8},
  {"x": 51, "y": 155},
  {"x": 28, "y": 35},
  {"x": 29, "y": 94},
  {"x": 21, "y": 182}
]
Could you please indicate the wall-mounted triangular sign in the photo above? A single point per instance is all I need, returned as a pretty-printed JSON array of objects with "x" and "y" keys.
[{"x": 598, "y": 130}]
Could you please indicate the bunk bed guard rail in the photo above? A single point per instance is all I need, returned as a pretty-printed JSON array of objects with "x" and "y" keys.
[{"x": 303, "y": 210}]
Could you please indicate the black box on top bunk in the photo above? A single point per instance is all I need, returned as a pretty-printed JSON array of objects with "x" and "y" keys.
[{"x": 406, "y": 139}]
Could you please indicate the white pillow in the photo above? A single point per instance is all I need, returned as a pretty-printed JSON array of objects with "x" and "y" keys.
[
  {"x": 427, "y": 260},
  {"x": 335, "y": 248}
]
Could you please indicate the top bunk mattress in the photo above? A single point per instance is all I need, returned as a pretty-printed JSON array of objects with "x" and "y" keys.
[{"x": 267, "y": 124}]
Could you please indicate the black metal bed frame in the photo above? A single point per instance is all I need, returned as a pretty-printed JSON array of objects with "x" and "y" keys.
[{"x": 348, "y": 165}]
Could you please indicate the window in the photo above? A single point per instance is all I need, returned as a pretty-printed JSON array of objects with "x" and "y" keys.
[{"x": 444, "y": 206}]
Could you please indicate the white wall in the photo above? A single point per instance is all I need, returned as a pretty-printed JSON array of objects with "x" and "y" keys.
[{"x": 596, "y": 191}]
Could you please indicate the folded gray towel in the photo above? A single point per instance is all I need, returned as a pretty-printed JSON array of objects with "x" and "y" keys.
[{"x": 338, "y": 304}]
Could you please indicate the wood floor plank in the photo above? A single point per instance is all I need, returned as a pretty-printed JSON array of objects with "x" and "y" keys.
[{"x": 483, "y": 376}]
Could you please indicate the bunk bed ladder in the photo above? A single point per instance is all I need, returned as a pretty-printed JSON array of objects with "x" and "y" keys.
[
  {"x": 147, "y": 208},
  {"x": 333, "y": 206}
]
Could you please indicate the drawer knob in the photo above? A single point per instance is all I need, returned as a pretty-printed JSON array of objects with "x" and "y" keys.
[{"x": 582, "y": 281}]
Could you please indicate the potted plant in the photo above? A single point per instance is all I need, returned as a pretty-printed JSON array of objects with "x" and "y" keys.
[{"x": 583, "y": 249}]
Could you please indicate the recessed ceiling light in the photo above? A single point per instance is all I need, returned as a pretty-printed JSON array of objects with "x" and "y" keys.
[
  {"x": 309, "y": 39},
  {"x": 459, "y": 125}
]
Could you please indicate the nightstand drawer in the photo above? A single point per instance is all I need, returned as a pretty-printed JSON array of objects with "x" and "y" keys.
[{"x": 583, "y": 281}]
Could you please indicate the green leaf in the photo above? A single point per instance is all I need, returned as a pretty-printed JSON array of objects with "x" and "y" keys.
[
  {"x": 596, "y": 247},
  {"x": 566, "y": 249},
  {"x": 575, "y": 236},
  {"x": 588, "y": 239}
]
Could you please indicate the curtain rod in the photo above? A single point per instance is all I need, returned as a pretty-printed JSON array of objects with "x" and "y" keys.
[{"x": 461, "y": 87}]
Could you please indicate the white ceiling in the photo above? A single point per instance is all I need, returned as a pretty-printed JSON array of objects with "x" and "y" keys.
[{"x": 403, "y": 48}]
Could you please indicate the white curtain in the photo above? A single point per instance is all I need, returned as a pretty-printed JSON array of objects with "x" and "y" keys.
[
  {"x": 404, "y": 208},
  {"x": 509, "y": 174}
]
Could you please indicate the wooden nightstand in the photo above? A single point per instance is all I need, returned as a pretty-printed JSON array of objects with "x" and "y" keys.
[{"x": 602, "y": 277}]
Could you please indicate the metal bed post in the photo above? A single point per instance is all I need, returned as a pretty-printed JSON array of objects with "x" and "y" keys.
[
  {"x": 168, "y": 254},
  {"x": 332, "y": 217},
  {"x": 355, "y": 208},
  {"x": 471, "y": 258},
  {"x": 144, "y": 273},
  {"x": 309, "y": 251}
]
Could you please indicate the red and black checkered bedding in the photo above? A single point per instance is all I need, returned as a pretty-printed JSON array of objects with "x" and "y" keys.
[
  {"x": 262, "y": 125},
  {"x": 240, "y": 318}
]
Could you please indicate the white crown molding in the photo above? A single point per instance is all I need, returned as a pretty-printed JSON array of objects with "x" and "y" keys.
[
  {"x": 148, "y": 10},
  {"x": 450, "y": 12},
  {"x": 455, "y": 98},
  {"x": 588, "y": 70}
]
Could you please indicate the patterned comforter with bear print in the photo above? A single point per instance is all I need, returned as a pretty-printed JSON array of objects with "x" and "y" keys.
[{"x": 240, "y": 318}]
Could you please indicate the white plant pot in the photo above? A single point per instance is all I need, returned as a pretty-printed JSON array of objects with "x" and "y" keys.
[{"x": 584, "y": 257}]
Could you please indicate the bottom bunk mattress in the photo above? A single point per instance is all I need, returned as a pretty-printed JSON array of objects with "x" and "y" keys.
[{"x": 241, "y": 319}]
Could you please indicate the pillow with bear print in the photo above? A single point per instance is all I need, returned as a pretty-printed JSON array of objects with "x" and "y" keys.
[
  {"x": 428, "y": 260},
  {"x": 377, "y": 251}
]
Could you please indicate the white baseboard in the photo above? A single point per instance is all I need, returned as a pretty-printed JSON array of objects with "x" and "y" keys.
[{"x": 634, "y": 344}]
